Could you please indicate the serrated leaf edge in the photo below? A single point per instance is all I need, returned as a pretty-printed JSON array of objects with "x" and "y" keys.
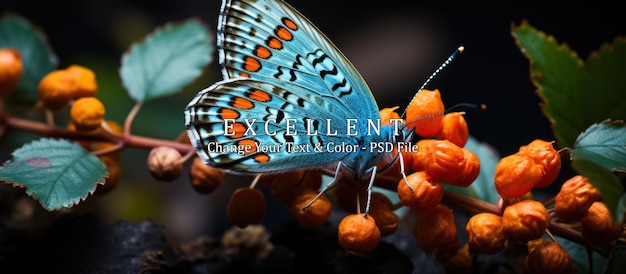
[{"x": 73, "y": 203}]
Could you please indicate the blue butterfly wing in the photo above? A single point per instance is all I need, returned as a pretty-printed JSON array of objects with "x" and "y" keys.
[
  {"x": 248, "y": 103},
  {"x": 290, "y": 51},
  {"x": 268, "y": 46}
]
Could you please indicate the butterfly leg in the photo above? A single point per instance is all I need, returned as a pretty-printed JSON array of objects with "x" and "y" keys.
[
  {"x": 325, "y": 187},
  {"x": 402, "y": 171},
  {"x": 369, "y": 190}
]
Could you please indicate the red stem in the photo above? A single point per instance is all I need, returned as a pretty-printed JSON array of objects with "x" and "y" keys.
[{"x": 58, "y": 132}]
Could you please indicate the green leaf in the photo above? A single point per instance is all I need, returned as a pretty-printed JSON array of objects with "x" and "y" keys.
[
  {"x": 37, "y": 56},
  {"x": 617, "y": 260},
  {"x": 575, "y": 94},
  {"x": 607, "y": 183},
  {"x": 603, "y": 144},
  {"x": 166, "y": 61},
  {"x": 580, "y": 257},
  {"x": 58, "y": 173}
]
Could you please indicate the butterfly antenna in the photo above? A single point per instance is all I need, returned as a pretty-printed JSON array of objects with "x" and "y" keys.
[
  {"x": 458, "y": 51},
  {"x": 463, "y": 106}
]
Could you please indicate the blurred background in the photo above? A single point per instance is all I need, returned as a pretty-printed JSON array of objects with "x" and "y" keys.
[{"x": 395, "y": 45}]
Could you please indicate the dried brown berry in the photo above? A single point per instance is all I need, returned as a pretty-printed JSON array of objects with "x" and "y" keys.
[
  {"x": 285, "y": 186},
  {"x": 516, "y": 175},
  {"x": 525, "y": 220},
  {"x": 246, "y": 206},
  {"x": 485, "y": 233},
  {"x": 597, "y": 227},
  {"x": 425, "y": 113},
  {"x": 85, "y": 81},
  {"x": 386, "y": 114},
  {"x": 165, "y": 163},
  {"x": 425, "y": 194},
  {"x": 435, "y": 230},
  {"x": 454, "y": 129},
  {"x": 10, "y": 70},
  {"x": 544, "y": 154},
  {"x": 205, "y": 179},
  {"x": 59, "y": 87},
  {"x": 382, "y": 211},
  {"x": 445, "y": 160},
  {"x": 316, "y": 214},
  {"x": 549, "y": 258},
  {"x": 358, "y": 234},
  {"x": 574, "y": 199},
  {"x": 470, "y": 171},
  {"x": 87, "y": 113}
]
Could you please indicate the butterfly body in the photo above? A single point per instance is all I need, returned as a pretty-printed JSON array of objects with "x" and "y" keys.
[{"x": 286, "y": 86}]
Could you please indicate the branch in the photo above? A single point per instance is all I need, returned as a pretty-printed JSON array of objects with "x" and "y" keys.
[{"x": 58, "y": 132}]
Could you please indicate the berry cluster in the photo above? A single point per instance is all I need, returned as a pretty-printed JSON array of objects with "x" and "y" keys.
[
  {"x": 441, "y": 159},
  {"x": 76, "y": 87}
]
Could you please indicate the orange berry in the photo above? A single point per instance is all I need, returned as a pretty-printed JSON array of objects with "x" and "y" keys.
[
  {"x": 381, "y": 210},
  {"x": 386, "y": 114},
  {"x": 426, "y": 194},
  {"x": 516, "y": 175},
  {"x": 358, "y": 234},
  {"x": 87, "y": 113},
  {"x": 11, "y": 69},
  {"x": 525, "y": 220},
  {"x": 435, "y": 230},
  {"x": 85, "y": 81},
  {"x": 419, "y": 159},
  {"x": 165, "y": 163},
  {"x": 454, "y": 129},
  {"x": 285, "y": 186},
  {"x": 56, "y": 89},
  {"x": 485, "y": 233},
  {"x": 59, "y": 87},
  {"x": 246, "y": 206},
  {"x": 445, "y": 160},
  {"x": 205, "y": 179},
  {"x": 544, "y": 154},
  {"x": 425, "y": 113},
  {"x": 597, "y": 227},
  {"x": 316, "y": 214},
  {"x": 549, "y": 258},
  {"x": 460, "y": 262},
  {"x": 470, "y": 171},
  {"x": 574, "y": 199}
]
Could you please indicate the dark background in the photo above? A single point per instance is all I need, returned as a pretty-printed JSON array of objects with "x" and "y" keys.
[{"x": 394, "y": 44}]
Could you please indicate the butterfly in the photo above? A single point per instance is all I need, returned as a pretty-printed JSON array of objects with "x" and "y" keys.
[{"x": 289, "y": 100}]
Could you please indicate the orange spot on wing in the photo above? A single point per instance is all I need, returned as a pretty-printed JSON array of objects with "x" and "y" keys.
[
  {"x": 236, "y": 131},
  {"x": 226, "y": 113},
  {"x": 242, "y": 103},
  {"x": 283, "y": 33},
  {"x": 274, "y": 43},
  {"x": 251, "y": 64},
  {"x": 247, "y": 146},
  {"x": 290, "y": 24},
  {"x": 244, "y": 75},
  {"x": 259, "y": 95},
  {"x": 262, "y": 158},
  {"x": 262, "y": 52}
]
